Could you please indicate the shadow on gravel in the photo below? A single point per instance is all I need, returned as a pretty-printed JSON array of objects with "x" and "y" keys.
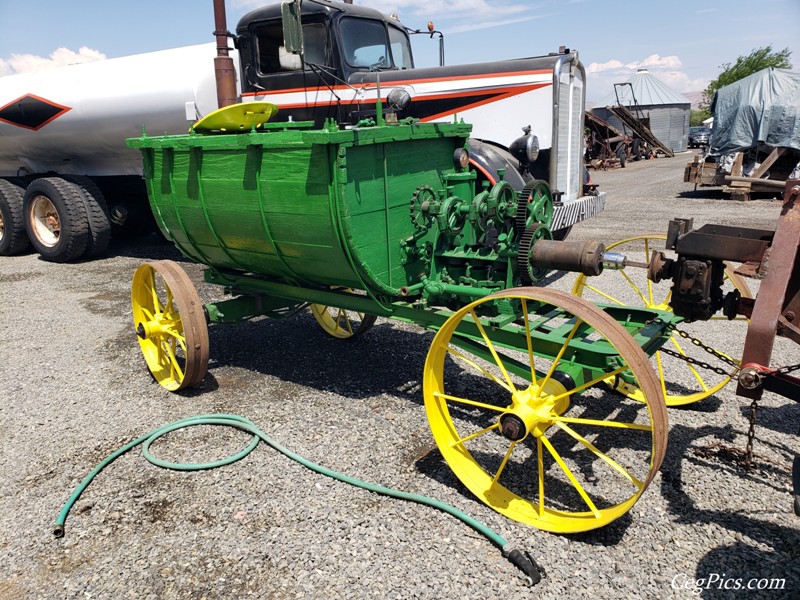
[
  {"x": 146, "y": 247},
  {"x": 702, "y": 193},
  {"x": 742, "y": 560},
  {"x": 716, "y": 193},
  {"x": 382, "y": 360},
  {"x": 759, "y": 572}
]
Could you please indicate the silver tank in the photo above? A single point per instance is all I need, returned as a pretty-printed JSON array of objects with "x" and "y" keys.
[{"x": 74, "y": 120}]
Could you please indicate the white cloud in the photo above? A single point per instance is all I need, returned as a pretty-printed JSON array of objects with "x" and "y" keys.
[
  {"x": 606, "y": 66},
  {"x": 31, "y": 63},
  {"x": 601, "y": 77}
]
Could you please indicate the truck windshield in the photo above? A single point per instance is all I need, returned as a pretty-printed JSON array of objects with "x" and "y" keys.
[{"x": 366, "y": 44}]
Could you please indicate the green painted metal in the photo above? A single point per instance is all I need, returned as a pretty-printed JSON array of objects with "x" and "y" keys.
[
  {"x": 290, "y": 215},
  {"x": 324, "y": 206}
]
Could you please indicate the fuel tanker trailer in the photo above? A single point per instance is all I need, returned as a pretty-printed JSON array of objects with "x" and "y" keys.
[{"x": 66, "y": 175}]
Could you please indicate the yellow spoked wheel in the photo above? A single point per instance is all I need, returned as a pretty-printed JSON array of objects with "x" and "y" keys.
[
  {"x": 519, "y": 431},
  {"x": 341, "y": 323},
  {"x": 170, "y": 324},
  {"x": 683, "y": 381}
]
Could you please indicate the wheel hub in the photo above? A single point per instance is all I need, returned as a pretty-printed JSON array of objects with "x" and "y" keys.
[
  {"x": 156, "y": 328},
  {"x": 533, "y": 409}
]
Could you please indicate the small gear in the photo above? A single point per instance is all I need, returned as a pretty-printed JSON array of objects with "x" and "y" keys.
[{"x": 419, "y": 207}]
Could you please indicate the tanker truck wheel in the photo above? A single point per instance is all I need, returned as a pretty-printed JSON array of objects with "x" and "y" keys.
[
  {"x": 523, "y": 435},
  {"x": 677, "y": 361},
  {"x": 97, "y": 216},
  {"x": 55, "y": 219},
  {"x": 13, "y": 238},
  {"x": 170, "y": 324}
]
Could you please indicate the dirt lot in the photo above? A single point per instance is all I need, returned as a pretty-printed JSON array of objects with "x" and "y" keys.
[{"x": 74, "y": 388}]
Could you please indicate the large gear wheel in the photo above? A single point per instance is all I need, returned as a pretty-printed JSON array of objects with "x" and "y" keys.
[
  {"x": 535, "y": 206},
  {"x": 527, "y": 272}
]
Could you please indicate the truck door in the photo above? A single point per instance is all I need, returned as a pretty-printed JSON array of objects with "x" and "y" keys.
[{"x": 263, "y": 71}]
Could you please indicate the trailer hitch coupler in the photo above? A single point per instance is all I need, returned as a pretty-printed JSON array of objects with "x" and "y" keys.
[{"x": 583, "y": 257}]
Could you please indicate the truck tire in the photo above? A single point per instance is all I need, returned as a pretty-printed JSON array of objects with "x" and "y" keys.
[
  {"x": 97, "y": 215},
  {"x": 55, "y": 218},
  {"x": 13, "y": 238}
]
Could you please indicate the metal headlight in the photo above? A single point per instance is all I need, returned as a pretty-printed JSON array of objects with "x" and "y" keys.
[{"x": 526, "y": 148}]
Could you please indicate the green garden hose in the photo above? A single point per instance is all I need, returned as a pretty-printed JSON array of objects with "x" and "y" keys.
[{"x": 520, "y": 558}]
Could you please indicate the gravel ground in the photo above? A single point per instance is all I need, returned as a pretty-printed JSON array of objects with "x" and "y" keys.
[{"x": 74, "y": 388}]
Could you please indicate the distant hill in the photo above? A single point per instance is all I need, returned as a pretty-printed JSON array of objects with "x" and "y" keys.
[{"x": 696, "y": 98}]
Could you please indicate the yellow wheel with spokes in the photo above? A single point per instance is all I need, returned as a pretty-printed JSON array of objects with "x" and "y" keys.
[
  {"x": 341, "y": 323},
  {"x": 522, "y": 434},
  {"x": 170, "y": 324},
  {"x": 682, "y": 379}
]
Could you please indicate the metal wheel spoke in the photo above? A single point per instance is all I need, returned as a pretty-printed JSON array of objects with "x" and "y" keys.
[
  {"x": 173, "y": 360},
  {"x": 560, "y": 354},
  {"x": 660, "y": 371},
  {"x": 472, "y": 436},
  {"x": 503, "y": 462},
  {"x": 597, "y": 423},
  {"x": 601, "y": 455},
  {"x": 634, "y": 286},
  {"x": 480, "y": 369},
  {"x": 590, "y": 383},
  {"x": 603, "y": 294},
  {"x": 723, "y": 318},
  {"x": 151, "y": 284},
  {"x": 529, "y": 341},
  {"x": 493, "y": 351},
  {"x": 343, "y": 316},
  {"x": 578, "y": 487},
  {"x": 469, "y": 402},
  {"x": 540, "y": 473}
]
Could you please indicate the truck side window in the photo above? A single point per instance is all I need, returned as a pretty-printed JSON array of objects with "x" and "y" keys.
[
  {"x": 270, "y": 37},
  {"x": 401, "y": 49}
]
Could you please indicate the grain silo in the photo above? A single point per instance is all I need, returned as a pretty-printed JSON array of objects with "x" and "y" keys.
[{"x": 663, "y": 110}]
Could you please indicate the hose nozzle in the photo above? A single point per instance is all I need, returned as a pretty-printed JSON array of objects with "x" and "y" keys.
[{"x": 525, "y": 563}]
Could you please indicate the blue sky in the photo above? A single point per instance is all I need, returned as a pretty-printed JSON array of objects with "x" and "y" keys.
[{"x": 682, "y": 43}]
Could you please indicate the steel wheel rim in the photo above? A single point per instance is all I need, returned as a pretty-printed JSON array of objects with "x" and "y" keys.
[
  {"x": 170, "y": 325},
  {"x": 649, "y": 297},
  {"x": 45, "y": 221},
  {"x": 341, "y": 323},
  {"x": 484, "y": 476}
]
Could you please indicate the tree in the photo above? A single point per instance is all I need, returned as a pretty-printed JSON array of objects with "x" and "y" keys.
[
  {"x": 696, "y": 117},
  {"x": 757, "y": 60}
]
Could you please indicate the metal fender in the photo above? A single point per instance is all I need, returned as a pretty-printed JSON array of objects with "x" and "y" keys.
[{"x": 488, "y": 159}]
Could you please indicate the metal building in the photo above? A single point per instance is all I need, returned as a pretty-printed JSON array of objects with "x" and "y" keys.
[{"x": 663, "y": 110}]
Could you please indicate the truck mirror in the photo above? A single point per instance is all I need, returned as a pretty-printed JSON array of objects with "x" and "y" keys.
[
  {"x": 289, "y": 61},
  {"x": 292, "y": 26}
]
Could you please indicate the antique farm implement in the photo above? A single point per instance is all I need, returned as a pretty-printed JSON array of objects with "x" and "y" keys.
[{"x": 388, "y": 220}]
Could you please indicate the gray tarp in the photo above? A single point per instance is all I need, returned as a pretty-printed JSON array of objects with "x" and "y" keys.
[{"x": 761, "y": 108}]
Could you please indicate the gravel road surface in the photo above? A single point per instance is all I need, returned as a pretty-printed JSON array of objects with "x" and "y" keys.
[{"x": 74, "y": 388}]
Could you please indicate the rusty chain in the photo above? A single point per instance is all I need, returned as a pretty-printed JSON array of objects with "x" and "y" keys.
[{"x": 751, "y": 431}]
